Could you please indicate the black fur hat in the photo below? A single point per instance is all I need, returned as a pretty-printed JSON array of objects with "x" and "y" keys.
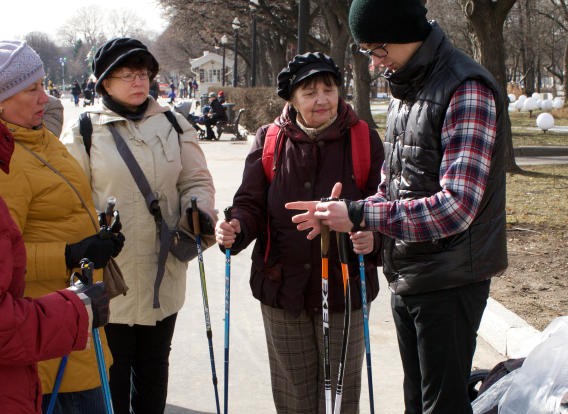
[
  {"x": 114, "y": 52},
  {"x": 302, "y": 67}
]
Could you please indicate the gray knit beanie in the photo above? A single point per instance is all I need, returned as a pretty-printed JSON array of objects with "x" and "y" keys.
[
  {"x": 20, "y": 66},
  {"x": 388, "y": 21}
]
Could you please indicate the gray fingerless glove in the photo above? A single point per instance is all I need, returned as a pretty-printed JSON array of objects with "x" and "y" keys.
[{"x": 95, "y": 297}]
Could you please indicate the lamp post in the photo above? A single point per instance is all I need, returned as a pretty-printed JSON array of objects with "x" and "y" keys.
[
  {"x": 62, "y": 60},
  {"x": 236, "y": 25},
  {"x": 224, "y": 41},
  {"x": 303, "y": 15},
  {"x": 253, "y": 5}
]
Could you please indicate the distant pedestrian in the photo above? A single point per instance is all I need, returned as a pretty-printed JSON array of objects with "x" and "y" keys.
[
  {"x": 182, "y": 91},
  {"x": 194, "y": 87},
  {"x": 76, "y": 92},
  {"x": 154, "y": 88}
]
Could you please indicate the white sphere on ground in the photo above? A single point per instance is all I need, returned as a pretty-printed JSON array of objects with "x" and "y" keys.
[
  {"x": 558, "y": 102},
  {"x": 512, "y": 97},
  {"x": 530, "y": 104},
  {"x": 519, "y": 102},
  {"x": 545, "y": 121},
  {"x": 536, "y": 95},
  {"x": 539, "y": 103},
  {"x": 546, "y": 105}
]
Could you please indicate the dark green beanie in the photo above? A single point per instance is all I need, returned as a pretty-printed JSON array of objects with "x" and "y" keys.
[{"x": 388, "y": 21}]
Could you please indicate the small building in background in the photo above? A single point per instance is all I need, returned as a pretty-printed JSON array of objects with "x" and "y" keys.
[{"x": 209, "y": 70}]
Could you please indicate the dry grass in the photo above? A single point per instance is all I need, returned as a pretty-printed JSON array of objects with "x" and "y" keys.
[
  {"x": 538, "y": 197},
  {"x": 523, "y": 138}
]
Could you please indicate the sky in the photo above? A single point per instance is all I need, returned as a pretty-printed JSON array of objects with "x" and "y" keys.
[{"x": 20, "y": 17}]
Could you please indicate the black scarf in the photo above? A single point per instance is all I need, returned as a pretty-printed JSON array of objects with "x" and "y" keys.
[{"x": 122, "y": 110}]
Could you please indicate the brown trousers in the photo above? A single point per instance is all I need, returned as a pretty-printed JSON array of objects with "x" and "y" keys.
[{"x": 295, "y": 352}]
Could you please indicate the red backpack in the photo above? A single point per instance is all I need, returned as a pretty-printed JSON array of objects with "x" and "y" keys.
[
  {"x": 360, "y": 155},
  {"x": 360, "y": 152}
]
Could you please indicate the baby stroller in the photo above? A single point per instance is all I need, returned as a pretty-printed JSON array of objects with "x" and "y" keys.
[{"x": 185, "y": 108}]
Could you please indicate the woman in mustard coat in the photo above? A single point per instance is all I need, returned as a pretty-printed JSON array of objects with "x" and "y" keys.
[{"x": 43, "y": 193}]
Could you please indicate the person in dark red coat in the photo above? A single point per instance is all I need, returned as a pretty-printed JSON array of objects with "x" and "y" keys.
[
  {"x": 33, "y": 329},
  {"x": 315, "y": 129}
]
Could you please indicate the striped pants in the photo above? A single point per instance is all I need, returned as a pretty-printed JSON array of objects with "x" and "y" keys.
[{"x": 295, "y": 352}]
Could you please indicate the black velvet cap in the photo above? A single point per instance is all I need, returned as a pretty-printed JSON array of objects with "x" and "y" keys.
[{"x": 302, "y": 67}]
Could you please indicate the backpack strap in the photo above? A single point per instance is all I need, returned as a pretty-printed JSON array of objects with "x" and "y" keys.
[
  {"x": 86, "y": 130},
  {"x": 269, "y": 165},
  {"x": 271, "y": 141},
  {"x": 172, "y": 118},
  {"x": 361, "y": 153}
]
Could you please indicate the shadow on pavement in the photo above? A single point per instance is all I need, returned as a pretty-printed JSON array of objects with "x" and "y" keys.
[{"x": 174, "y": 409}]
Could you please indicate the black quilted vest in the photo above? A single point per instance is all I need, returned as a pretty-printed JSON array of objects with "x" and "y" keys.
[{"x": 413, "y": 153}]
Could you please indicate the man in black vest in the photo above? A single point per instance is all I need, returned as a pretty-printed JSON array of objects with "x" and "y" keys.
[{"x": 441, "y": 202}]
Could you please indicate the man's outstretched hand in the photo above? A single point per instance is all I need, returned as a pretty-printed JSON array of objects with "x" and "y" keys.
[{"x": 330, "y": 213}]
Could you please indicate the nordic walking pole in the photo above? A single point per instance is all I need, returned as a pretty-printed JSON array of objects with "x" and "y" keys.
[
  {"x": 87, "y": 269},
  {"x": 366, "y": 331},
  {"x": 227, "y": 212},
  {"x": 109, "y": 212},
  {"x": 342, "y": 247},
  {"x": 57, "y": 385},
  {"x": 197, "y": 232},
  {"x": 324, "y": 234}
]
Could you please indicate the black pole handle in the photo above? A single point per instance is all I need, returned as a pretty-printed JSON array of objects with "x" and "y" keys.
[
  {"x": 87, "y": 267},
  {"x": 195, "y": 216},
  {"x": 109, "y": 211},
  {"x": 228, "y": 213},
  {"x": 343, "y": 247}
]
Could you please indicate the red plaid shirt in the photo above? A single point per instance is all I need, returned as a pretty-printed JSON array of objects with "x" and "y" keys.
[{"x": 468, "y": 136}]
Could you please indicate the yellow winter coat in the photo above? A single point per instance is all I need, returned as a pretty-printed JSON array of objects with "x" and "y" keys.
[{"x": 50, "y": 215}]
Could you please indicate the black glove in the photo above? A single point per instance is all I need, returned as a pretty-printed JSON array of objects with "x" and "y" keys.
[
  {"x": 206, "y": 226},
  {"x": 96, "y": 248},
  {"x": 118, "y": 240},
  {"x": 95, "y": 296}
]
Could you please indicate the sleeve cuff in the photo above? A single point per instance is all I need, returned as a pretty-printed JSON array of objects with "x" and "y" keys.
[{"x": 355, "y": 210}]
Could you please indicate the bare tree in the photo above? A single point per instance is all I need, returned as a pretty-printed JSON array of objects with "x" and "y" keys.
[
  {"x": 487, "y": 20},
  {"x": 557, "y": 14},
  {"x": 49, "y": 53},
  {"x": 125, "y": 23},
  {"x": 87, "y": 26}
]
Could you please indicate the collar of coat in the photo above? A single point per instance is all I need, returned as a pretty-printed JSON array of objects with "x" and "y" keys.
[{"x": 346, "y": 117}]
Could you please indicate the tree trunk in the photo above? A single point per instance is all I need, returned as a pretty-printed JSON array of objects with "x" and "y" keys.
[
  {"x": 361, "y": 86},
  {"x": 487, "y": 20},
  {"x": 335, "y": 13},
  {"x": 566, "y": 76},
  {"x": 527, "y": 8}
]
